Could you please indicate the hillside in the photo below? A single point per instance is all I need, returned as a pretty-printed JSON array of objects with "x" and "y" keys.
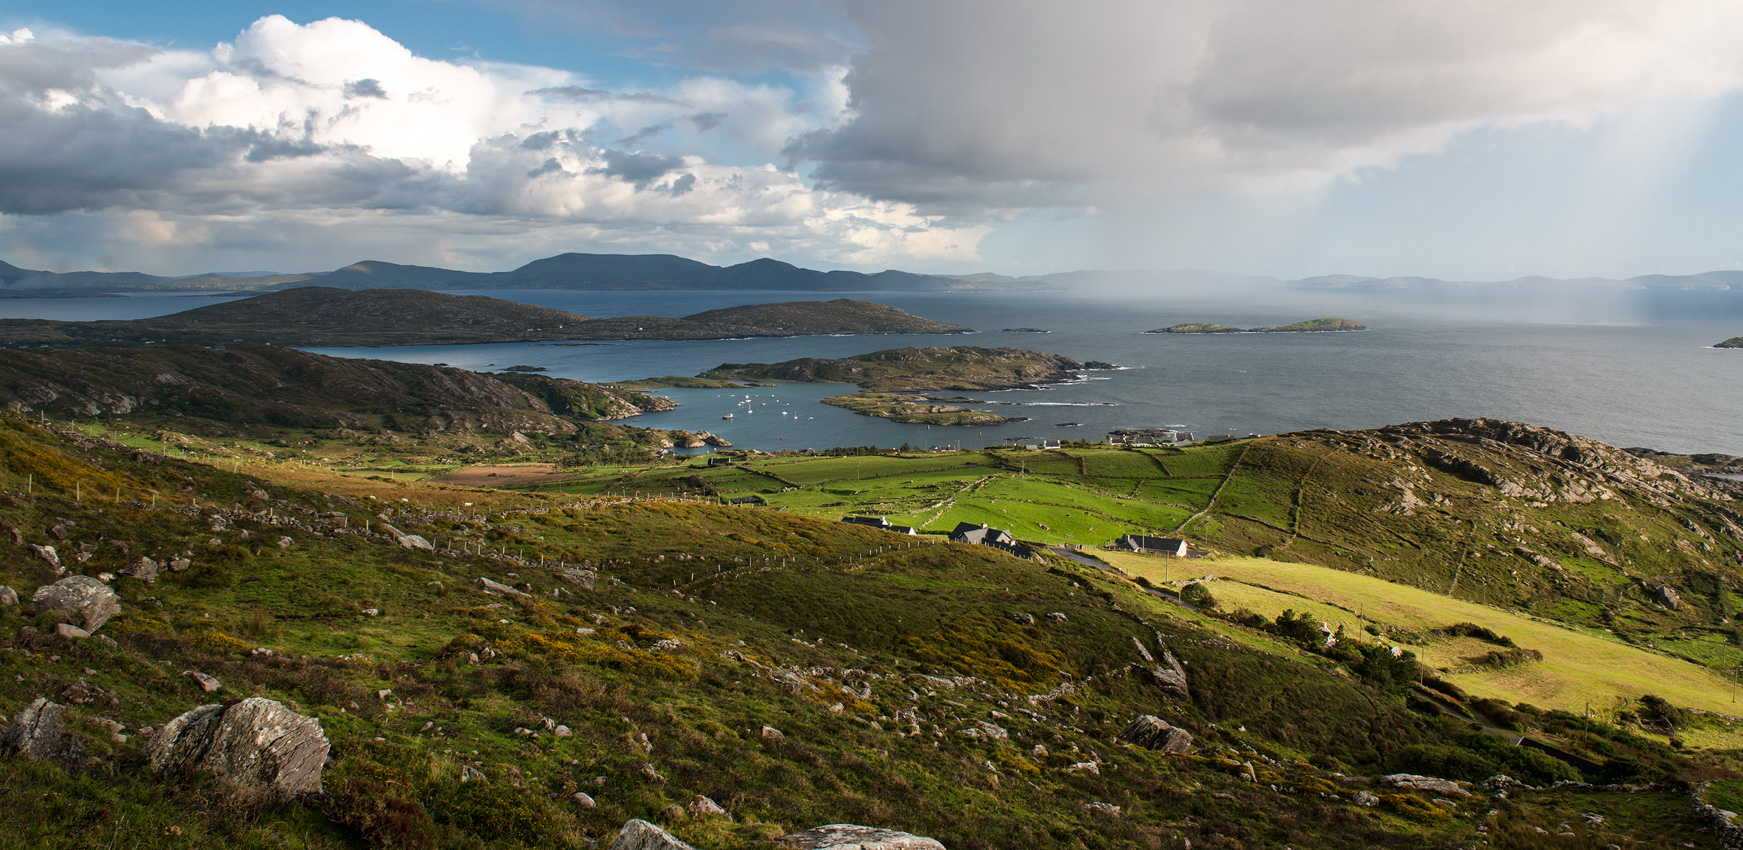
[
  {"x": 1508, "y": 515},
  {"x": 261, "y": 389},
  {"x": 792, "y": 318},
  {"x": 324, "y": 316},
  {"x": 534, "y": 671},
  {"x": 899, "y": 370}
]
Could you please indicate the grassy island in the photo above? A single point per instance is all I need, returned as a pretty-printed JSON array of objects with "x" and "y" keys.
[
  {"x": 1733, "y": 342},
  {"x": 915, "y": 410}
]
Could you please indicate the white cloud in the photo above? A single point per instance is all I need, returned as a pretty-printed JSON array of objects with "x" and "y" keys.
[{"x": 291, "y": 125}]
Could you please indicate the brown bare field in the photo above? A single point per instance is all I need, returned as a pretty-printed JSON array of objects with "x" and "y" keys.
[{"x": 504, "y": 475}]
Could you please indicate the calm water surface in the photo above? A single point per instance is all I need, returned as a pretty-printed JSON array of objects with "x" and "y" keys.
[{"x": 1632, "y": 368}]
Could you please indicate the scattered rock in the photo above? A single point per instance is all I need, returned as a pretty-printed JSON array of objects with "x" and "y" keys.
[
  {"x": 983, "y": 729},
  {"x": 1664, "y": 595},
  {"x": 257, "y": 748},
  {"x": 1089, "y": 767},
  {"x": 652, "y": 774},
  {"x": 848, "y": 836},
  {"x": 1056, "y": 616},
  {"x": 773, "y": 734},
  {"x": 582, "y": 799},
  {"x": 1099, "y": 808},
  {"x": 370, "y": 612},
  {"x": 496, "y": 588},
  {"x": 1429, "y": 784},
  {"x": 142, "y": 568},
  {"x": 468, "y": 773},
  {"x": 563, "y": 732},
  {"x": 700, "y": 805},
  {"x": 37, "y": 732},
  {"x": 70, "y": 631},
  {"x": 180, "y": 565},
  {"x": 59, "y": 531},
  {"x": 1364, "y": 798},
  {"x": 47, "y": 553},
  {"x": 8, "y": 596},
  {"x": 640, "y": 835},
  {"x": 81, "y": 596},
  {"x": 1154, "y": 733},
  {"x": 1021, "y": 618}
]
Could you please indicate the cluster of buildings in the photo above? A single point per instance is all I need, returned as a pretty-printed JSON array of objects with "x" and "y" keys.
[{"x": 998, "y": 538}]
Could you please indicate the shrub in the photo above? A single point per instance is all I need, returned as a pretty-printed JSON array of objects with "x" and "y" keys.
[{"x": 1197, "y": 594}]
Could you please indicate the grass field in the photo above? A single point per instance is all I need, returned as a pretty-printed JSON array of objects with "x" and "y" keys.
[{"x": 1578, "y": 668}]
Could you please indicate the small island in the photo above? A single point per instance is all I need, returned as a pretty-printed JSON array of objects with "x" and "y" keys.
[
  {"x": 1733, "y": 342},
  {"x": 1025, "y": 331},
  {"x": 1309, "y": 326},
  {"x": 889, "y": 379},
  {"x": 678, "y": 382},
  {"x": 525, "y": 368},
  {"x": 324, "y": 316},
  {"x": 915, "y": 410}
]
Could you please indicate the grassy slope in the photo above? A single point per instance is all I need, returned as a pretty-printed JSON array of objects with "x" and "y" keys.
[
  {"x": 780, "y": 589},
  {"x": 1578, "y": 666}
]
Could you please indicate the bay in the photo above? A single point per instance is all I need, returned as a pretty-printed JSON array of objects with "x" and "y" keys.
[{"x": 1629, "y": 367}]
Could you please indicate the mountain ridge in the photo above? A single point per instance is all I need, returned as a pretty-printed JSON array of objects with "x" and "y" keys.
[{"x": 619, "y": 272}]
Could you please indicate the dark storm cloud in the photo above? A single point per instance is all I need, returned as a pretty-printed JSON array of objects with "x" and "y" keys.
[{"x": 635, "y": 168}]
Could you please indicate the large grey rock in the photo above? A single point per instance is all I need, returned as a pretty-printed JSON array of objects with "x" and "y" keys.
[
  {"x": 641, "y": 835},
  {"x": 36, "y": 732},
  {"x": 848, "y": 836},
  {"x": 256, "y": 748},
  {"x": 1429, "y": 784},
  {"x": 80, "y": 596},
  {"x": 1154, "y": 733}
]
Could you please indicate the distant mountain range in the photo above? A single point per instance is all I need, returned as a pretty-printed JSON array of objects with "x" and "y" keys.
[{"x": 667, "y": 271}]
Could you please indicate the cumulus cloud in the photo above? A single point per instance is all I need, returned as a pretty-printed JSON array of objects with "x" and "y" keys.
[
  {"x": 292, "y": 125},
  {"x": 982, "y": 104}
]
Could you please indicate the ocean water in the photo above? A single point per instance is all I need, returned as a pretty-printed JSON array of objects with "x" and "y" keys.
[{"x": 1631, "y": 368}]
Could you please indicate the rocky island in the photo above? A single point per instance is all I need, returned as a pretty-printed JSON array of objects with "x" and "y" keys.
[
  {"x": 1309, "y": 326},
  {"x": 325, "y": 316},
  {"x": 1025, "y": 331},
  {"x": 890, "y": 378},
  {"x": 1733, "y": 342}
]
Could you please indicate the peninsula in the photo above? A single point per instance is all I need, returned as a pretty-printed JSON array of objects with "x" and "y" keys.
[
  {"x": 325, "y": 316},
  {"x": 1309, "y": 326}
]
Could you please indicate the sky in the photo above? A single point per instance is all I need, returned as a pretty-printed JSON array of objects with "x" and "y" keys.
[{"x": 1461, "y": 139}]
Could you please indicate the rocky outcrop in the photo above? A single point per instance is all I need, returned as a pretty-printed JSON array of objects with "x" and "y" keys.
[
  {"x": 1168, "y": 673},
  {"x": 497, "y": 588},
  {"x": 641, "y": 835},
  {"x": 409, "y": 541},
  {"x": 1154, "y": 733},
  {"x": 257, "y": 748},
  {"x": 80, "y": 596},
  {"x": 848, "y": 836},
  {"x": 1664, "y": 595},
  {"x": 48, "y": 555},
  {"x": 1426, "y": 784},
  {"x": 39, "y": 733},
  {"x": 142, "y": 568}
]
